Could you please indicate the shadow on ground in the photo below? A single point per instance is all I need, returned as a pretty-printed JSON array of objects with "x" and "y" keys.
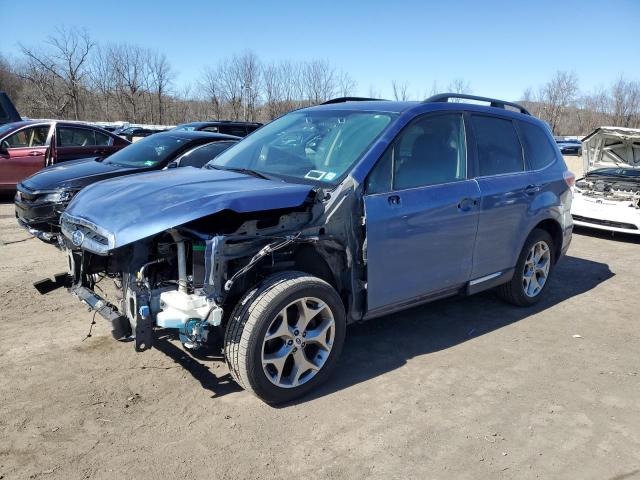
[
  {"x": 385, "y": 344},
  {"x": 605, "y": 235}
]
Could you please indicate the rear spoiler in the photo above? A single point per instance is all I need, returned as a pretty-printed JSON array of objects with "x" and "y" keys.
[{"x": 8, "y": 112}]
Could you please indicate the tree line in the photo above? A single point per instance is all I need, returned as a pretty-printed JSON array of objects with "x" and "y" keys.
[{"x": 70, "y": 76}]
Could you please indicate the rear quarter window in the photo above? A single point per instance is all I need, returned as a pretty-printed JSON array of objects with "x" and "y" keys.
[
  {"x": 498, "y": 146},
  {"x": 537, "y": 147}
]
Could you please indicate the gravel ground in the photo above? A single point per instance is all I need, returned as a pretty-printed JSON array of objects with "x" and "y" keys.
[{"x": 463, "y": 388}]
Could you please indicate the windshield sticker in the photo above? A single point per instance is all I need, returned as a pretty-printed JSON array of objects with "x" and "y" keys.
[
  {"x": 329, "y": 176},
  {"x": 315, "y": 174},
  {"x": 149, "y": 163}
]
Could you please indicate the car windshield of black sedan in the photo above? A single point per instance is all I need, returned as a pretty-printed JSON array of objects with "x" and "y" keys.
[
  {"x": 316, "y": 145},
  {"x": 148, "y": 152}
]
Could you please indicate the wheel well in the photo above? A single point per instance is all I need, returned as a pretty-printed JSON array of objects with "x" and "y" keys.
[
  {"x": 308, "y": 260},
  {"x": 555, "y": 230}
]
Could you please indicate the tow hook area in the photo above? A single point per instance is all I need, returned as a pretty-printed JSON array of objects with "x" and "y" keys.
[
  {"x": 48, "y": 285},
  {"x": 120, "y": 328}
]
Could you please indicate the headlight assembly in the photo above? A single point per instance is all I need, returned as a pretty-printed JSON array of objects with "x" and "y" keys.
[{"x": 58, "y": 197}]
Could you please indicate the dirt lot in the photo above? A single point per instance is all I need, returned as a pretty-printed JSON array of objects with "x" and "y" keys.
[{"x": 464, "y": 388}]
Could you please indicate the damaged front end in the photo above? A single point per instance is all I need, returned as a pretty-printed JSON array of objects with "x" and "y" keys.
[{"x": 182, "y": 278}]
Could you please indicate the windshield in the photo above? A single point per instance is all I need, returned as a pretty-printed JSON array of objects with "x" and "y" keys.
[
  {"x": 148, "y": 152},
  {"x": 316, "y": 145}
]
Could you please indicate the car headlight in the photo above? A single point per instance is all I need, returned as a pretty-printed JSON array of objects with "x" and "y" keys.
[{"x": 58, "y": 197}]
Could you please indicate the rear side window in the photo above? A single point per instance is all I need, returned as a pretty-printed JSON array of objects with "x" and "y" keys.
[
  {"x": 102, "y": 139},
  {"x": 499, "y": 149},
  {"x": 537, "y": 148},
  {"x": 75, "y": 137}
]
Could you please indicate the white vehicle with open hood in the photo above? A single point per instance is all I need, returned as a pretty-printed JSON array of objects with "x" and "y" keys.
[{"x": 608, "y": 197}]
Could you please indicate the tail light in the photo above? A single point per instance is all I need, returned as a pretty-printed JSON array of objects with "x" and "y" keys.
[{"x": 569, "y": 178}]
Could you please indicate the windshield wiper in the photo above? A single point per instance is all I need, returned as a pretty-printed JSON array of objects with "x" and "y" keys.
[{"x": 246, "y": 171}]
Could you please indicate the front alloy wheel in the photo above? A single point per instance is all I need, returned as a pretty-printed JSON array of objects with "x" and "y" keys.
[
  {"x": 284, "y": 337},
  {"x": 298, "y": 342}
]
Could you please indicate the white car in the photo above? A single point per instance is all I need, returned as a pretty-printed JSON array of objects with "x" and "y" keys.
[{"x": 608, "y": 196}]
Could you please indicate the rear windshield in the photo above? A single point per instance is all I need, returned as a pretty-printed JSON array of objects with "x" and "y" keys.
[{"x": 148, "y": 152}]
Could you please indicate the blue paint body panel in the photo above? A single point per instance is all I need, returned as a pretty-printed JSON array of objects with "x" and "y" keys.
[
  {"x": 138, "y": 206},
  {"x": 420, "y": 245}
]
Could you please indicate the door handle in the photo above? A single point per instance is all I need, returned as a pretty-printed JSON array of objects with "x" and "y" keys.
[
  {"x": 35, "y": 154},
  {"x": 531, "y": 189},
  {"x": 467, "y": 204},
  {"x": 394, "y": 200}
]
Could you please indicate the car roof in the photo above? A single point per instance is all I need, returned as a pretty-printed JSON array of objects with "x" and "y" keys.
[
  {"x": 417, "y": 108},
  {"x": 196, "y": 134},
  {"x": 217, "y": 123}
]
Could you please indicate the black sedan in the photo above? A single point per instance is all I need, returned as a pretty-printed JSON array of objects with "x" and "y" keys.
[{"x": 41, "y": 198}]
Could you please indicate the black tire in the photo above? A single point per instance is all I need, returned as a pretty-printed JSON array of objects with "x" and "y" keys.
[
  {"x": 253, "y": 315},
  {"x": 513, "y": 291}
]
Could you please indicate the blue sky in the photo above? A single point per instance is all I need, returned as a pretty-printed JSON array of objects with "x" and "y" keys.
[{"x": 499, "y": 47}]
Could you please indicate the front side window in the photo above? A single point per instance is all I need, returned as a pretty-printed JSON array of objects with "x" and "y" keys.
[
  {"x": 75, "y": 137},
  {"x": 318, "y": 146},
  {"x": 148, "y": 152},
  {"x": 499, "y": 149},
  {"x": 27, "y": 138},
  {"x": 537, "y": 148},
  {"x": 430, "y": 151}
]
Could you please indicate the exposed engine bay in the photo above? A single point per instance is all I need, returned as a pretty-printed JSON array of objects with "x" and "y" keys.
[
  {"x": 623, "y": 190},
  {"x": 608, "y": 197},
  {"x": 189, "y": 277}
]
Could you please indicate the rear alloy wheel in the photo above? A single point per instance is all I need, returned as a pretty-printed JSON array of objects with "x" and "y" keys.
[
  {"x": 536, "y": 269},
  {"x": 532, "y": 271},
  {"x": 284, "y": 337}
]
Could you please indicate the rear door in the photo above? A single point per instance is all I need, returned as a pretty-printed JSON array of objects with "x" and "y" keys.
[
  {"x": 507, "y": 191},
  {"x": 421, "y": 214},
  {"x": 25, "y": 152},
  {"x": 73, "y": 142}
]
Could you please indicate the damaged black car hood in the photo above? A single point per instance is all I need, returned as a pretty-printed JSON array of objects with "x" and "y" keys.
[{"x": 134, "y": 207}]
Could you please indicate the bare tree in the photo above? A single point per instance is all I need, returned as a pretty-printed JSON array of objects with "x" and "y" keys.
[
  {"x": 459, "y": 85},
  {"x": 556, "y": 96},
  {"x": 625, "y": 102},
  {"x": 346, "y": 85},
  {"x": 10, "y": 81},
  {"x": 160, "y": 78},
  {"x": 400, "y": 90},
  {"x": 210, "y": 86},
  {"x": 319, "y": 79},
  {"x": 65, "y": 60}
]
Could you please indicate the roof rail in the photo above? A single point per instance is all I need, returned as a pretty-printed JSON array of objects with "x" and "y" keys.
[
  {"x": 493, "y": 102},
  {"x": 351, "y": 99}
]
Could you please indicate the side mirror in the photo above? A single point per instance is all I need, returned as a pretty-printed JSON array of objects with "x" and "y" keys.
[{"x": 173, "y": 164}]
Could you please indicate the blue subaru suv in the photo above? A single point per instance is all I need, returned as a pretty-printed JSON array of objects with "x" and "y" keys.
[{"x": 329, "y": 215}]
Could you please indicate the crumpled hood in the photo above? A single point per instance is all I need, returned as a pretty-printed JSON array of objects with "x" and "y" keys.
[
  {"x": 610, "y": 147},
  {"x": 74, "y": 174},
  {"x": 138, "y": 206}
]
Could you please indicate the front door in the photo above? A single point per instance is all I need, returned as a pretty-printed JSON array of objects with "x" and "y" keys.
[
  {"x": 421, "y": 214},
  {"x": 23, "y": 154}
]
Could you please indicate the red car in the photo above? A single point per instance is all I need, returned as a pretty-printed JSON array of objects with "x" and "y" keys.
[{"x": 28, "y": 146}]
